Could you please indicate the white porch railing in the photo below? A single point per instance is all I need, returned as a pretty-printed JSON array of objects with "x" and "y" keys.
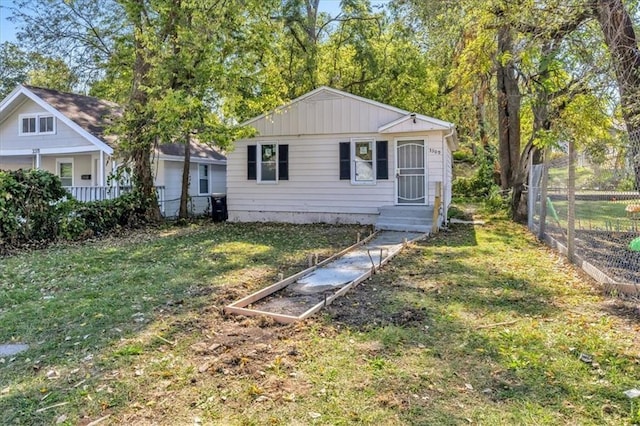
[{"x": 97, "y": 193}]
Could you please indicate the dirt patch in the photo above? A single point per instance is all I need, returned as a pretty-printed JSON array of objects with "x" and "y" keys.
[
  {"x": 360, "y": 309},
  {"x": 247, "y": 347},
  {"x": 289, "y": 302}
]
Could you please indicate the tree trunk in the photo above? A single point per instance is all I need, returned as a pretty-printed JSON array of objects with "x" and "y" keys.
[
  {"x": 621, "y": 40},
  {"x": 184, "y": 194},
  {"x": 141, "y": 145},
  {"x": 508, "y": 111},
  {"x": 531, "y": 154}
]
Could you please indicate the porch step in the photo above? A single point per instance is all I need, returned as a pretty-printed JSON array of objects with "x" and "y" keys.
[{"x": 405, "y": 218}]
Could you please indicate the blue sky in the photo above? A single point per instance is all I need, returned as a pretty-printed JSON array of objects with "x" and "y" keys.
[{"x": 8, "y": 30}]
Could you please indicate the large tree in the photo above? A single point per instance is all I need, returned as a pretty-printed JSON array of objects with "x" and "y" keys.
[
  {"x": 619, "y": 34},
  {"x": 20, "y": 67}
]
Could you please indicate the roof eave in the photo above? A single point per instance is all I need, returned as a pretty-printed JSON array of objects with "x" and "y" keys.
[
  {"x": 21, "y": 90},
  {"x": 193, "y": 159},
  {"x": 438, "y": 125}
]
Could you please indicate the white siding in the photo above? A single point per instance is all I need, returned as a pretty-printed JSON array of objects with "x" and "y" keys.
[
  {"x": 64, "y": 137},
  {"x": 218, "y": 179},
  {"x": 448, "y": 166},
  {"x": 435, "y": 171},
  {"x": 170, "y": 175},
  {"x": 314, "y": 184},
  {"x": 319, "y": 115},
  {"x": 313, "y": 127}
]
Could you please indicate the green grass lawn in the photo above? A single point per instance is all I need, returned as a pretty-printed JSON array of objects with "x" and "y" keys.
[
  {"x": 478, "y": 325},
  {"x": 603, "y": 214}
]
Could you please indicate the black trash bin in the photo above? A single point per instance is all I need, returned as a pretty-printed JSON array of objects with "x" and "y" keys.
[{"x": 219, "y": 207}]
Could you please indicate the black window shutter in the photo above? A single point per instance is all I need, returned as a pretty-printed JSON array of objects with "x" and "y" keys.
[
  {"x": 251, "y": 162},
  {"x": 345, "y": 160},
  {"x": 283, "y": 162},
  {"x": 382, "y": 160}
]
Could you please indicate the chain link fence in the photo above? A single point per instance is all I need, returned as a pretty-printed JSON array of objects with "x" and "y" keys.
[{"x": 590, "y": 210}]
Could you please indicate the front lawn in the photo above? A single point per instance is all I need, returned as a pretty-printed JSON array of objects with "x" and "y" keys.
[{"x": 478, "y": 325}]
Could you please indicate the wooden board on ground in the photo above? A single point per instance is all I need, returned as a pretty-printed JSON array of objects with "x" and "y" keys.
[{"x": 264, "y": 301}]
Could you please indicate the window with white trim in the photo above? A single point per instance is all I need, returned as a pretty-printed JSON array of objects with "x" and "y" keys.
[
  {"x": 45, "y": 124},
  {"x": 364, "y": 161},
  {"x": 64, "y": 171},
  {"x": 28, "y": 125},
  {"x": 203, "y": 179},
  {"x": 268, "y": 163},
  {"x": 35, "y": 124}
]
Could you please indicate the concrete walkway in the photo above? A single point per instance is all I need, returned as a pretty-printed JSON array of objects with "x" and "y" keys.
[
  {"x": 353, "y": 264},
  {"x": 303, "y": 294}
]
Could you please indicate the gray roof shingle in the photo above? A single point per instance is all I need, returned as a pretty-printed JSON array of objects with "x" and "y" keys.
[
  {"x": 96, "y": 115},
  {"x": 92, "y": 114}
]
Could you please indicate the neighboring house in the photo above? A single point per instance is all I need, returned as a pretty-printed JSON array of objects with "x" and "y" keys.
[
  {"x": 330, "y": 156},
  {"x": 65, "y": 134},
  {"x": 207, "y": 176}
]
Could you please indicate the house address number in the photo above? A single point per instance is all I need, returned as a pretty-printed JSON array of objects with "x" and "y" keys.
[{"x": 435, "y": 151}]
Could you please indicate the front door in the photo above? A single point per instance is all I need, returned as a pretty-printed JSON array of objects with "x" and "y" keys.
[{"x": 410, "y": 172}]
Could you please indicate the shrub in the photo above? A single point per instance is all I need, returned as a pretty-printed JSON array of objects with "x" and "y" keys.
[
  {"x": 35, "y": 207},
  {"x": 126, "y": 211},
  {"x": 478, "y": 186},
  {"x": 30, "y": 205}
]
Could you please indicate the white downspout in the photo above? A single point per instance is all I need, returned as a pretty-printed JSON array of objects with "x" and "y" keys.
[
  {"x": 445, "y": 207},
  {"x": 37, "y": 159}
]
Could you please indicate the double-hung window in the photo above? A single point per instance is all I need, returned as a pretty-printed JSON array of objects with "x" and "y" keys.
[
  {"x": 364, "y": 170},
  {"x": 45, "y": 124},
  {"x": 364, "y": 161},
  {"x": 203, "y": 179},
  {"x": 28, "y": 125},
  {"x": 268, "y": 162},
  {"x": 34, "y": 124}
]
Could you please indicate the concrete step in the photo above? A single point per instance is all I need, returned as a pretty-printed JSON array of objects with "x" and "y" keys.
[
  {"x": 390, "y": 226},
  {"x": 405, "y": 220},
  {"x": 406, "y": 211}
]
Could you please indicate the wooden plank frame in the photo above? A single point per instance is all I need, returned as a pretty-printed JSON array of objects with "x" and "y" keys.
[{"x": 239, "y": 307}]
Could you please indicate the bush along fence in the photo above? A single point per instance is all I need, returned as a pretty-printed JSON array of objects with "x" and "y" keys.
[
  {"x": 35, "y": 209},
  {"x": 590, "y": 211}
]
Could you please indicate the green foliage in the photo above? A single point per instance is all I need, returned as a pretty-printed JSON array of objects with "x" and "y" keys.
[
  {"x": 100, "y": 217},
  {"x": 35, "y": 208},
  {"x": 18, "y": 66},
  {"x": 30, "y": 206},
  {"x": 464, "y": 155},
  {"x": 480, "y": 185}
]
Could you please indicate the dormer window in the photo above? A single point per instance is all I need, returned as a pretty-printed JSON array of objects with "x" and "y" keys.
[{"x": 35, "y": 124}]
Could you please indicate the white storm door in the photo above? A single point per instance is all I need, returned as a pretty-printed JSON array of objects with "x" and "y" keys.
[{"x": 410, "y": 172}]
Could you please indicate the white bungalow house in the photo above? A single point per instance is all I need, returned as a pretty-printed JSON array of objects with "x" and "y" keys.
[
  {"x": 65, "y": 134},
  {"x": 330, "y": 156}
]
